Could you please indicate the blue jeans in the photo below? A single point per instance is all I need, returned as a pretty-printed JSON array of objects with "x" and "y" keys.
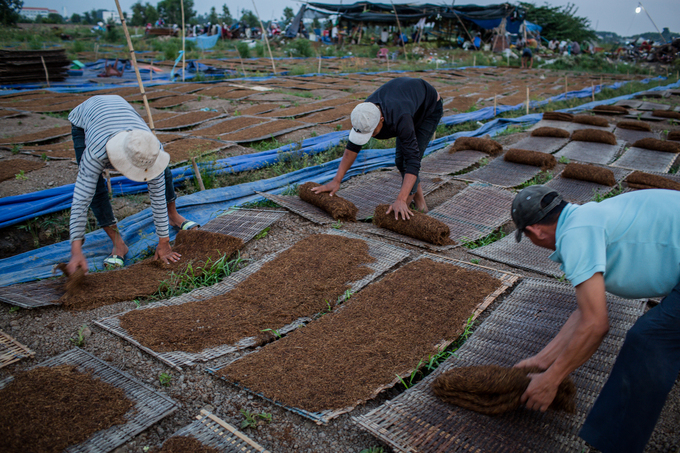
[
  {"x": 424, "y": 134},
  {"x": 624, "y": 415},
  {"x": 101, "y": 205}
]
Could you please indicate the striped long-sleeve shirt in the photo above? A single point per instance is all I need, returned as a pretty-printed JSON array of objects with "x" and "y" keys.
[{"x": 102, "y": 117}]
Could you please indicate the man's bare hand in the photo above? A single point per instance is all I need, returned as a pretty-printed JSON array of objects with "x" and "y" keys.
[
  {"x": 400, "y": 207},
  {"x": 164, "y": 252},
  {"x": 331, "y": 186},
  {"x": 530, "y": 362},
  {"x": 540, "y": 393},
  {"x": 77, "y": 261}
]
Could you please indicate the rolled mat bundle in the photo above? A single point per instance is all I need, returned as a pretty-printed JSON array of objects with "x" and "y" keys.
[
  {"x": 536, "y": 158},
  {"x": 419, "y": 226},
  {"x": 494, "y": 390},
  {"x": 590, "y": 173},
  {"x": 594, "y": 135},
  {"x": 673, "y": 135},
  {"x": 641, "y": 180},
  {"x": 657, "y": 145},
  {"x": 550, "y": 132},
  {"x": 634, "y": 126},
  {"x": 610, "y": 109},
  {"x": 666, "y": 114},
  {"x": 558, "y": 116},
  {"x": 337, "y": 207},
  {"x": 485, "y": 145},
  {"x": 590, "y": 120}
]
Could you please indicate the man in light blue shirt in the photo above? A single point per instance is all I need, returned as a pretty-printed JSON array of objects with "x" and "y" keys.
[{"x": 628, "y": 245}]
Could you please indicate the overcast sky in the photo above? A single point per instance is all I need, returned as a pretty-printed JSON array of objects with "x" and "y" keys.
[{"x": 605, "y": 15}]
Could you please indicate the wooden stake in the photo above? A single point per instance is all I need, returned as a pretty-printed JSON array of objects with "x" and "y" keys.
[
  {"x": 319, "y": 70},
  {"x": 242, "y": 67},
  {"x": 181, "y": 5},
  {"x": 134, "y": 64},
  {"x": 197, "y": 174},
  {"x": 527, "y": 100},
  {"x": 96, "y": 51},
  {"x": 401, "y": 35},
  {"x": 264, "y": 35},
  {"x": 47, "y": 75},
  {"x": 592, "y": 92},
  {"x": 107, "y": 175},
  {"x": 495, "y": 96},
  {"x": 565, "y": 88},
  {"x": 151, "y": 71},
  {"x": 474, "y": 60}
]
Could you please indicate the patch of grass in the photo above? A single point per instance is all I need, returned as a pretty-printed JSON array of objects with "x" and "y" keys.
[
  {"x": 253, "y": 419},
  {"x": 261, "y": 204},
  {"x": 20, "y": 176},
  {"x": 14, "y": 309},
  {"x": 79, "y": 340},
  {"x": 486, "y": 240},
  {"x": 373, "y": 450},
  {"x": 165, "y": 379},
  {"x": 541, "y": 178},
  {"x": 16, "y": 149},
  {"x": 563, "y": 160},
  {"x": 475, "y": 260},
  {"x": 263, "y": 234},
  {"x": 513, "y": 130},
  {"x": 598, "y": 197},
  {"x": 337, "y": 225}
]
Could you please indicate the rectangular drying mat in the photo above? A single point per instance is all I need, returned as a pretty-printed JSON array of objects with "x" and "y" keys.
[
  {"x": 507, "y": 280},
  {"x": 646, "y": 160},
  {"x": 541, "y": 144},
  {"x": 501, "y": 173},
  {"x": 32, "y": 295},
  {"x": 580, "y": 192},
  {"x": 11, "y": 350},
  {"x": 150, "y": 405},
  {"x": 295, "y": 204},
  {"x": 569, "y": 126},
  {"x": 591, "y": 152},
  {"x": 524, "y": 323},
  {"x": 244, "y": 224},
  {"x": 214, "y": 432},
  {"x": 386, "y": 257},
  {"x": 445, "y": 163},
  {"x": 522, "y": 255},
  {"x": 630, "y": 136}
]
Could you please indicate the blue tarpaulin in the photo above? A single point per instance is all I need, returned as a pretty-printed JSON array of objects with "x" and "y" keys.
[{"x": 205, "y": 42}]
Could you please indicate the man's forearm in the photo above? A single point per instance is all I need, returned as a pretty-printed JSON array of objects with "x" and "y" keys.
[
  {"x": 406, "y": 186},
  {"x": 346, "y": 162}
]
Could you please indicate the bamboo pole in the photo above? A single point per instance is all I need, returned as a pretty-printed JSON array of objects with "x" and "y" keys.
[
  {"x": 242, "y": 67},
  {"x": 264, "y": 35},
  {"x": 197, "y": 174},
  {"x": 527, "y": 100},
  {"x": 319, "y": 70},
  {"x": 47, "y": 75},
  {"x": 107, "y": 175},
  {"x": 565, "y": 87},
  {"x": 151, "y": 71},
  {"x": 474, "y": 61},
  {"x": 592, "y": 92},
  {"x": 401, "y": 34},
  {"x": 134, "y": 64},
  {"x": 495, "y": 96},
  {"x": 181, "y": 5}
]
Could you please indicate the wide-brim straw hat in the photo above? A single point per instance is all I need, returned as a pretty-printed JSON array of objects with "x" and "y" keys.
[{"x": 137, "y": 155}]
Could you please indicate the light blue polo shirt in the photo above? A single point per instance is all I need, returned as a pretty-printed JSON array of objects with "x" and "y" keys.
[{"x": 633, "y": 239}]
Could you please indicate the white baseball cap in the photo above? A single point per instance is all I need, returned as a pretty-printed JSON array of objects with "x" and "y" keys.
[
  {"x": 365, "y": 118},
  {"x": 137, "y": 155}
]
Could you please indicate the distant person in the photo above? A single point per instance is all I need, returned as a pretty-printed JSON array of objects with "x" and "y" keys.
[
  {"x": 109, "y": 133},
  {"x": 384, "y": 36},
  {"x": 405, "y": 108},
  {"x": 575, "y": 48},
  {"x": 628, "y": 245},
  {"x": 527, "y": 58}
]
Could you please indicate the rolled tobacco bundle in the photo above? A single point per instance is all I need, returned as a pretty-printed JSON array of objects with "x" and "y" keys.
[
  {"x": 610, "y": 109},
  {"x": 673, "y": 135},
  {"x": 591, "y": 120},
  {"x": 337, "y": 207},
  {"x": 666, "y": 114},
  {"x": 590, "y": 173},
  {"x": 485, "y": 145},
  {"x": 594, "y": 135},
  {"x": 657, "y": 145},
  {"x": 634, "y": 125},
  {"x": 494, "y": 390},
  {"x": 536, "y": 158},
  {"x": 558, "y": 116},
  {"x": 419, "y": 226},
  {"x": 641, "y": 180},
  {"x": 550, "y": 132}
]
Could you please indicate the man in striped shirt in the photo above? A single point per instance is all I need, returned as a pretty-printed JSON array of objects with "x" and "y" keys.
[{"x": 108, "y": 133}]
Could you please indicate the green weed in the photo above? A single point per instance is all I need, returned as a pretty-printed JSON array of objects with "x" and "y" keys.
[
  {"x": 486, "y": 240},
  {"x": 253, "y": 419},
  {"x": 274, "y": 332},
  {"x": 474, "y": 261},
  {"x": 263, "y": 234},
  {"x": 79, "y": 340},
  {"x": 14, "y": 309},
  {"x": 563, "y": 160},
  {"x": 165, "y": 379},
  {"x": 21, "y": 176},
  {"x": 337, "y": 225},
  {"x": 541, "y": 178},
  {"x": 598, "y": 196},
  {"x": 16, "y": 148},
  {"x": 373, "y": 450}
]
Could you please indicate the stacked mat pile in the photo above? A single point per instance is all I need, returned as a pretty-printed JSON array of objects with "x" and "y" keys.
[{"x": 25, "y": 66}]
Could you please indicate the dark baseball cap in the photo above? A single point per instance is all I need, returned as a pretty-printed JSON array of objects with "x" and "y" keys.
[{"x": 526, "y": 207}]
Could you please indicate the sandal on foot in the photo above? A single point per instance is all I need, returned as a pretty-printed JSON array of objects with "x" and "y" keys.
[
  {"x": 114, "y": 261},
  {"x": 188, "y": 225}
]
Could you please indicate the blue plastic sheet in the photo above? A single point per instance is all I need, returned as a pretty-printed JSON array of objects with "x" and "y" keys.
[{"x": 205, "y": 42}]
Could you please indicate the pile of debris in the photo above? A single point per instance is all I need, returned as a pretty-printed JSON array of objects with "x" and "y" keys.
[{"x": 29, "y": 66}]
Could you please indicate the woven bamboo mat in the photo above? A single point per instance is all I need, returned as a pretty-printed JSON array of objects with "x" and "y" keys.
[
  {"x": 150, "y": 405},
  {"x": 11, "y": 350},
  {"x": 444, "y": 163},
  {"x": 244, "y": 224},
  {"x": 32, "y": 295},
  {"x": 630, "y": 103},
  {"x": 590, "y": 152},
  {"x": 525, "y": 322},
  {"x": 646, "y": 160},
  {"x": 569, "y": 126},
  {"x": 579, "y": 192},
  {"x": 501, "y": 173},
  {"x": 650, "y": 106},
  {"x": 542, "y": 144},
  {"x": 522, "y": 255},
  {"x": 254, "y": 133},
  {"x": 386, "y": 257},
  {"x": 631, "y": 136},
  {"x": 507, "y": 280},
  {"x": 645, "y": 116},
  {"x": 214, "y": 432},
  {"x": 366, "y": 194}
]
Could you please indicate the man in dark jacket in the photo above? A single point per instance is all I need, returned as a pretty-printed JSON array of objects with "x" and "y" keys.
[{"x": 405, "y": 108}]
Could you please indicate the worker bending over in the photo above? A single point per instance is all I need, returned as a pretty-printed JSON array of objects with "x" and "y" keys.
[
  {"x": 108, "y": 133},
  {"x": 628, "y": 245},
  {"x": 406, "y": 108}
]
